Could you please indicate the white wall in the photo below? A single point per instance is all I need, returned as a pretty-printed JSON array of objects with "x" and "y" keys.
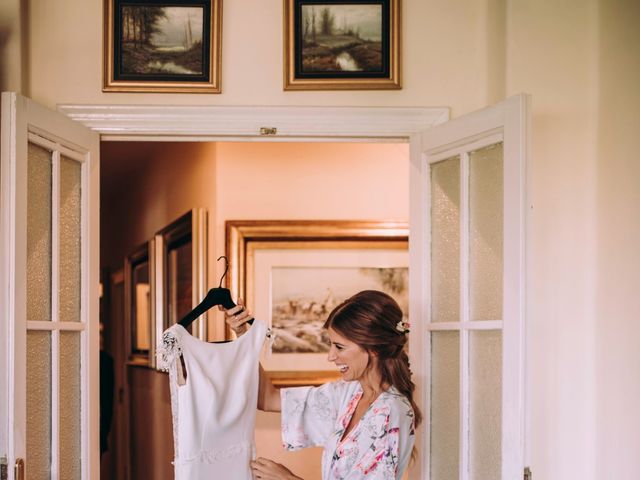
[
  {"x": 617, "y": 356},
  {"x": 445, "y": 54},
  {"x": 578, "y": 59},
  {"x": 552, "y": 53},
  {"x": 11, "y": 46}
]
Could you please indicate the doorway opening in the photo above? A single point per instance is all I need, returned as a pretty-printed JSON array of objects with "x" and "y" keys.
[{"x": 146, "y": 185}]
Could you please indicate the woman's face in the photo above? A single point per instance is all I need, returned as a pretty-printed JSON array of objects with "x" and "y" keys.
[{"x": 349, "y": 357}]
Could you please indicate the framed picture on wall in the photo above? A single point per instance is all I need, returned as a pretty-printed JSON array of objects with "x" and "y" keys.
[
  {"x": 293, "y": 273},
  {"x": 164, "y": 279},
  {"x": 160, "y": 46},
  {"x": 342, "y": 45},
  {"x": 139, "y": 308},
  {"x": 180, "y": 250}
]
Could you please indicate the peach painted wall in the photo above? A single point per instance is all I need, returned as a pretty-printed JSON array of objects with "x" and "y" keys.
[
  {"x": 153, "y": 184},
  {"x": 345, "y": 181}
]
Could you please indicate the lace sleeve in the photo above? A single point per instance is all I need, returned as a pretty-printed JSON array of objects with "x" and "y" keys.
[{"x": 169, "y": 349}]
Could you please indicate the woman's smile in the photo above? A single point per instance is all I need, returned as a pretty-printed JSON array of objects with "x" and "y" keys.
[{"x": 349, "y": 357}]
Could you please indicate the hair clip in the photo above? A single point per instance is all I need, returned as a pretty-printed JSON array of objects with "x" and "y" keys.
[{"x": 403, "y": 327}]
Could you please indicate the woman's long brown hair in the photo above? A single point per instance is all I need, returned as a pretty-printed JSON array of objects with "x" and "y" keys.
[{"x": 369, "y": 319}]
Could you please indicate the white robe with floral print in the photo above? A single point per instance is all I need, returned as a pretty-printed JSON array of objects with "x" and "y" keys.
[{"x": 378, "y": 447}]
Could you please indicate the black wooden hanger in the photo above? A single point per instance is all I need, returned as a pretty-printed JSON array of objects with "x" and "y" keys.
[{"x": 215, "y": 296}]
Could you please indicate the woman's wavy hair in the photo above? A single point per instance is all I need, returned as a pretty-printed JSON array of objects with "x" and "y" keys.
[{"x": 370, "y": 319}]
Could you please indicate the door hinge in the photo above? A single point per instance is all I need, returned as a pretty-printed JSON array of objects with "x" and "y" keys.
[
  {"x": 4, "y": 473},
  {"x": 527, "y": 474}
]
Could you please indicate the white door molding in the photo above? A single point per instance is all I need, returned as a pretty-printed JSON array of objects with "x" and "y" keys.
[{"x": 126, "y": 122}]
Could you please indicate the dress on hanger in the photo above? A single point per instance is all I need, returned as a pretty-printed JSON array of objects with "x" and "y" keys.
[{"x": 214, "y": 407}]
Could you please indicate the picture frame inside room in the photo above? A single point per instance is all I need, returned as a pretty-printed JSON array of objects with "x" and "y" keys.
[{"x": 292, "y": 273}]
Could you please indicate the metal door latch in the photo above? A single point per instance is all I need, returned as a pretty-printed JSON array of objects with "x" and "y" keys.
[{"x": 268, "y": 131}]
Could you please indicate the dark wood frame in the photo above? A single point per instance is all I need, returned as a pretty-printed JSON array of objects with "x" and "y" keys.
[
  {"x": 190, "y": 227},
  {"x": 142, "y": 253},
  {"x": 117, "y": 81}
]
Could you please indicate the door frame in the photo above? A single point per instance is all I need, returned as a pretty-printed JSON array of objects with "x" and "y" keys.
[
  {"x": 291, "y": 124},
  {"x": 285, "y": 124},
  {"x": 235, "y": 123}
]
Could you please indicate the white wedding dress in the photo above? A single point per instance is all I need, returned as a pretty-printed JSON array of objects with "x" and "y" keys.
[{"x": 214, "y": 407}]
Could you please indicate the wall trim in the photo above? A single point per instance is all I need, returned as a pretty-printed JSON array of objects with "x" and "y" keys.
[{"x": 122, "y": 122}]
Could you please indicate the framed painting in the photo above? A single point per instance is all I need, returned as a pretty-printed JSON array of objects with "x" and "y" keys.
[
  {"x": 159, "y": 46},
  {"x": 139, "y": 308},
  {"x": 180, "y": 250},
  {"x": 291, "y": 274},
  {"x": 341, "y": 45}
]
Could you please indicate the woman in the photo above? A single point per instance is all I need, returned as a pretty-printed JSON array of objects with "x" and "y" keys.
[{"x": 365, "y": 421}]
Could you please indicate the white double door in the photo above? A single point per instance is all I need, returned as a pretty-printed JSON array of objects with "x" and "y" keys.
[
  {"x": 49, "y": 281},
  {"x": 467, "y": 286},
  {"x": 468, "y": 231}
]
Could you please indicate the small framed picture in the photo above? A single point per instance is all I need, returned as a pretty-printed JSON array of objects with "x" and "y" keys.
[
  {"x": 159, "y": 46},
  {"x": 342, "y": 45},
  {"x": 139, "y": 314}
]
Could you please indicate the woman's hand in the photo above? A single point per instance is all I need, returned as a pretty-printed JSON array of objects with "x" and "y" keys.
[
  {"x": 264, "y": 468},
  {"x": 237, "y": 317}
]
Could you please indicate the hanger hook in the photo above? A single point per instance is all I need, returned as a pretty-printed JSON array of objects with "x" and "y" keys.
[{"x": 226, "y": 268}]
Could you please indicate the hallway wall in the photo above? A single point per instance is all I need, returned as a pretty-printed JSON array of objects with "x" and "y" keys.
[{"x": 617, "y": 356}]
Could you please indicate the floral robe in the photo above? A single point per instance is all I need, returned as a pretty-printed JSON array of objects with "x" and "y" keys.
[{"x": 378, "y": 447}]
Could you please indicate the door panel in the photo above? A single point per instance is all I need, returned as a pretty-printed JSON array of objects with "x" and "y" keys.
[
  {"x": 467, "y": 223},
  {"x": 49, "y": 282}
]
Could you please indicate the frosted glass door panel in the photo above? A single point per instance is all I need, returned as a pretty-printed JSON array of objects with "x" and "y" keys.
[
  {"x": 39, "y": 167},
  {"x": 70, "y": 453},
  {"x": 485, "y": 400},
  {"x": 445, "y": 241},
  {"x": 444, "y": 417},
  {"x": 38, "y": 443},
  {"x": 70, "y": 240},
  {"x": 485, "y": 233}
]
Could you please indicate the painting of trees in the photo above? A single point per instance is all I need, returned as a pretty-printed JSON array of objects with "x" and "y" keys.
[
  {"x": 162, "y": 40},
  {"x": 140, "y": 23},
  {"x": 338, "y": 38}
]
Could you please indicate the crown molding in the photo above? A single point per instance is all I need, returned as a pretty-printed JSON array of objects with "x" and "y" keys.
[{"x": 247, "y": 121}]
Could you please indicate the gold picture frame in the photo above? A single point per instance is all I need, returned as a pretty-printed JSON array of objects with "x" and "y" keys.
[
  {"x": 325, "y": 262},
  {"x": 342, "y": 45},
  {"x": 162, "y": 47}
]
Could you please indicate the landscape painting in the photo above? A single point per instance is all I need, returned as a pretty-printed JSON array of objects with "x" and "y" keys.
[
  {"x": 341, "y": 38},
  {"x": 338, "y": 44},
  {"x": 162, "y": 40},
  {"x": 159, "y": 46},
  {"x": 292, "y": 273},
  {"x": 303, "y": 297}
]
